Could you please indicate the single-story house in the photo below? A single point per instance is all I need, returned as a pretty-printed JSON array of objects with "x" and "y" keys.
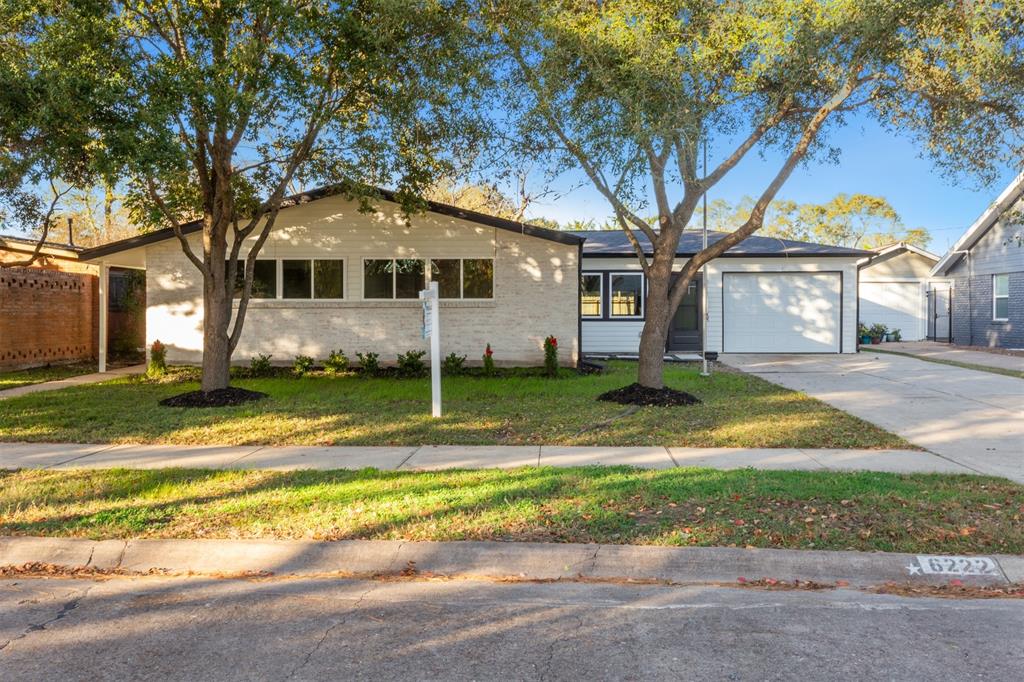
[
  {"x": 331, "y": 277},
  {"x": 986, "y": 268},
  {"x": 894, "y": 285},
  {"x": 765, "y": 295}
]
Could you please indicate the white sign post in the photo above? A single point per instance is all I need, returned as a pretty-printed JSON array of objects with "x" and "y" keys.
[{"x": 432, "y": 330}]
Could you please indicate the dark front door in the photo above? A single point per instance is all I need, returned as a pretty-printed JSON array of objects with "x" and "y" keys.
[{"x": 685, "y": 332}]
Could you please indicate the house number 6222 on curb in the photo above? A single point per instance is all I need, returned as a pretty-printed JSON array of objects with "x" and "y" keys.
[{"x": 953, "y": 565}]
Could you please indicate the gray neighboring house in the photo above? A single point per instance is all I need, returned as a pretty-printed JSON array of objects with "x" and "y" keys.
[{"x": 985, "y": 269}]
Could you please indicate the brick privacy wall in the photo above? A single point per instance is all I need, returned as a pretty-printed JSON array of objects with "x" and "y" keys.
[
  {"x": 535, "y": 288},
  {"x": 972, "y": 312},
  {"x": 47, "y": 316}
]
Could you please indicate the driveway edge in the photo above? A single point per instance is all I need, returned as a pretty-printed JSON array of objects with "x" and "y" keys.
[{"x": 490, "y": 560}]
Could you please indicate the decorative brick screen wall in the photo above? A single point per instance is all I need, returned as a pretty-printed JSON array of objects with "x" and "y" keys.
[{"x": 47, "y": 316}]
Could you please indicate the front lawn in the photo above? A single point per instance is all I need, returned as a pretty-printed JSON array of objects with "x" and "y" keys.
[
  {"x": 926, "y": 513},
  {"x": 37, "y": 375},
  {"x": 738, "y": 410}
]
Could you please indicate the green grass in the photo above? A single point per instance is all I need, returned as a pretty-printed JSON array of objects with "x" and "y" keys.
[
  {"x": 738, "y": 410},
  {"x": 933, "y": 513},
  {"x": 37, "y": 375},
  {"x": 953, "y": 363}
]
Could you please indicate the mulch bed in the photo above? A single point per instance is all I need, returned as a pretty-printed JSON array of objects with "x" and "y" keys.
[
  {"x": 221, "y": 397},
  {"x": 635, "y": 394}
]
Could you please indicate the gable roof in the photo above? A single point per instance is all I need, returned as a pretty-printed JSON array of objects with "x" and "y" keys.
[
  {"x": 897, "y": 246},
  {"x": 615, "y": 243},
  {"x": 334, "y": 190},
  {"x": 1013, "y": 192}
]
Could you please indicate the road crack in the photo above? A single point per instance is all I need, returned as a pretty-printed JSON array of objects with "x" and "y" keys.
[
  {"x": 65, "y": 609},
  {"x": 327, "y": 633}
]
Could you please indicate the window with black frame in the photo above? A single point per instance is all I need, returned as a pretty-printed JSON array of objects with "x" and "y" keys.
[{"x": 626, "y": 294}]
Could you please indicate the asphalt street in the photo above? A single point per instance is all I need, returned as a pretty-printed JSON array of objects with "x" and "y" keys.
[{"x": 154, "y": 628}]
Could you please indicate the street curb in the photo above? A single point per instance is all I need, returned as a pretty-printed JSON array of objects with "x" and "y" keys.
[{"x": 494, "y": 560}]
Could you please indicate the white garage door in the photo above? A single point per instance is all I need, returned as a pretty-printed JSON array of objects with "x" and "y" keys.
[
  {"x": 897, "y": 305},
  {"x": 781, "y": 312}
]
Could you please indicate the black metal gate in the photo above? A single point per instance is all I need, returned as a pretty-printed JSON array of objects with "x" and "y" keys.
[{"x": 940, "y": 315}]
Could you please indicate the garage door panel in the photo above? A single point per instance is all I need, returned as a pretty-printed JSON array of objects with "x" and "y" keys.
[
  {"x": 897, "y": 305},
  {"x": 782, "y": 312}
]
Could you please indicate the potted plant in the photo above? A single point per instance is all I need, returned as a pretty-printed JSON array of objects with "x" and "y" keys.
[
  {"x": 864, "y": 334},
  {"x": 877, "y": 332},
  {"x": 895, "y": 335}
]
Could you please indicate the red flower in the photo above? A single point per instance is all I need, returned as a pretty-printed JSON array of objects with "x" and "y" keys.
[{"x": 487, "y": 351}]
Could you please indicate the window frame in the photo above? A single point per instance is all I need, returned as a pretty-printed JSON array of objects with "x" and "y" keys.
[
  {"x": 241, "y": 271},
  {"x": 394, "y": 275},
  {"x": 312, "y": 280},
  {"x": 643, "y": 295},
  {"x": 996, "y": 297},
  {"x": 601, "y": 307},
  {"x": 462, "y": 276}
]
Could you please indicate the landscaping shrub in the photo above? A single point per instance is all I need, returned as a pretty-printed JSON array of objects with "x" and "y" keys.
[
  {"x": 260, "y": 365},
  {"x": 551, "y": 356},
  {"x": 336, "y": 362},
  {"x": 157, "y": 360},
  {"x": 877, "y": 332},
  {"x": 302, "y": 365},
  {"x": 488, "y": 361},
  {"x": 453, "y": 364},
  {"x": 411, "y": 365},
  {"x": 369, "y": 363}
]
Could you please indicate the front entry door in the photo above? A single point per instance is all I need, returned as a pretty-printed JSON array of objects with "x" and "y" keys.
[{"x": 685, "y": 332}]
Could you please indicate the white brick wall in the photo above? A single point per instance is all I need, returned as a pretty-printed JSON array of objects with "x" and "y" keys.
[{"x": 535, "y": 291}]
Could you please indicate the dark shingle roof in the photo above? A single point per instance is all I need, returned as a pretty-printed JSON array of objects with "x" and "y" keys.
[{"x": 615, "y": 243}]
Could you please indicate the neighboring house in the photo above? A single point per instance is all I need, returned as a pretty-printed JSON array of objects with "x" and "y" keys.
[
  {"x": 49, "y": 310},
  {"x": 986, "y": 268},
  {"x": 765, "y": 295},
  {"x": 332, "y": 277},
  {"x": 894, "y": 291}
]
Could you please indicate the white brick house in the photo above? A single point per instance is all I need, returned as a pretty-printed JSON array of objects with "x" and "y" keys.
[{"x": 330, "y": 277}]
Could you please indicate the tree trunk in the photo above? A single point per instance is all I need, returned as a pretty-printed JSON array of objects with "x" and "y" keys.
[
  {"x": 216, "y": 348},
  {"x": 651, "y": 363},
  {"x": 217, "y": 298}
]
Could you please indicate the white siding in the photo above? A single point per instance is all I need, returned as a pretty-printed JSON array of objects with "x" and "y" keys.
[
  {"x": 535, "y": 291},
  {"x": 611, "y": 337}
]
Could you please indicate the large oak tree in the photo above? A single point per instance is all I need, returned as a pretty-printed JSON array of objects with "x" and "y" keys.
[
  {"x": 243, "y": 99},
  {"x": 628, "y": 90}
]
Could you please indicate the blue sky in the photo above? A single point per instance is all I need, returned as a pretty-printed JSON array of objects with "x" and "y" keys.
[{"x": 873, "y": 161}]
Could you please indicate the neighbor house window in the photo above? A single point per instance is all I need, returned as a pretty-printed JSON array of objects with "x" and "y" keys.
[
  {"x": 264, "y": 279},
  {"x": 463, "y": 278},
  {"x": 393, "y": 278},
  {"x": 1000, "y": 298},
  {"x": 627, "y": 293},
  {"x": 590, "y": 295}
]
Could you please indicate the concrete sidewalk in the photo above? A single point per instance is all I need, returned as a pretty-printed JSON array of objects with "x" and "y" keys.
[
  {"x": 503, "y": 560},
  {"x": 931, "y": 350},
  {"x": 81, "y": 379},
  {"x": 435, "y": 457}
]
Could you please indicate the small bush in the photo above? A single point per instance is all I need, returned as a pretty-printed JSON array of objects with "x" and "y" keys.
[
  {"x": 411, "y": 365},
  {"x": 369, "y": 363},
  {"x": 551, "y": 356},
  {"x": 303, "y": 364},
  {"x": 336, "y": 362},
  {"x": 897, "y": 335},
  {"x": 260, "y": 365},
  {"x": 488, "y": 361},
  {"x": 453, "y": 364},
  {"x": 877, "y": 330},
  {"x": 157, "y": 360}
]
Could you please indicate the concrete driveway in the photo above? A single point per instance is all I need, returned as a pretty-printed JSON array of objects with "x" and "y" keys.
[{"x": 973, "y": 418}]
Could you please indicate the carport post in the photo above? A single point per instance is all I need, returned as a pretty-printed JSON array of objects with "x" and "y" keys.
[{"x": 104, "y": 295}]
